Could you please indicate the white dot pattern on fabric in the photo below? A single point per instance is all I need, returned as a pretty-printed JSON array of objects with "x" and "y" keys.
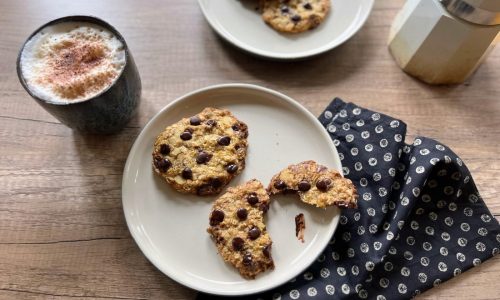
[{"x": 420, "y": 219}]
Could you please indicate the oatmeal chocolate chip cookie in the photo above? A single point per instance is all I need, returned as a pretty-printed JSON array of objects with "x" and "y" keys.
[
  {"x": 315, "y": 184},
  {"x": 294, "y": 15},
  {"x": 238, "y": 229},
  {"x": 201, "y": 154}
]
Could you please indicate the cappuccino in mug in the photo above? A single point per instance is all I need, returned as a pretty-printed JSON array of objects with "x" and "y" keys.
[{"x": 71, "y": 61}]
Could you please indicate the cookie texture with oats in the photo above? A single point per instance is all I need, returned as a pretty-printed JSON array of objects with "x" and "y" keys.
[
  {"x": 202, "y": 153},
  {"x": 238, "y": 230},
  {"x": 293, "y": 16},
  {"x": 315, "y": 184}
]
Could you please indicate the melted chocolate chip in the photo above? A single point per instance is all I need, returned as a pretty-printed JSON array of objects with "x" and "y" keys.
[
  {"x": 252, "y": 199},
  {"x": 280, "y": 185},
  {"x": 295, "y": 18},
  {"x": 162, "y": 164},
  {"x": 238, "y": 243},
  {"x": 304, "y": 186},
  {"x": 236, "y": 127},
  {"x": 186, "y": 135},
  {"x": 267, "y": 251},
  {"x": 242, "y": 214},
  {"x": 187, "y": 173},
  {"x": 205, "y": 189},
  {"x": 203, "y": 157},
  {"x": 216, "y": 217},
  {"x": 164, "y": 149},
  {"x": 232, "y": 168},
  {"x": 264, "y": 207},
  {"x": 195, "y": 121},
  {"x": 284, "y": 9},
  {"x": 211, "y": 123},
  {"x": 247, "y": 259},
  {"x": 308, "y": 6},
  {"x": 216, "y": 182},
  {"x": 254, "y": 233},
  {"x": 323, "y": 184},
  {"x": 224, "y": 140}
]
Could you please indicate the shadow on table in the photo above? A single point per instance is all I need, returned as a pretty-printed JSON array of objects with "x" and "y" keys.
[{"x": 321, "y": 70}]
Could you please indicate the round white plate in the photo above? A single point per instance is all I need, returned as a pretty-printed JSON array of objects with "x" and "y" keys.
[
  {"x": 170, "y": 228},
  {"x": 238, "y": 22}
]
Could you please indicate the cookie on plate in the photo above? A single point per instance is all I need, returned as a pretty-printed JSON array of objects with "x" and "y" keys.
[
  {"x": 294, "y": 16},
  {"x": 201, "y": 154},
  {"x": 238, "y": 229},
  {"x": 315, "y": 184}
]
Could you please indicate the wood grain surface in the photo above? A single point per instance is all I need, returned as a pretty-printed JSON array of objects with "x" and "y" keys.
[{"x": 62, "y": 229}]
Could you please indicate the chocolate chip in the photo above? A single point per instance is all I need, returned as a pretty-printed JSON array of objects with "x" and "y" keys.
[
  {"x": 267, "y": 251},
  {"x": 195, "y": 121},
  {"x": 189, "y": 129},
  {"x": 216, "y": 182},
  {"x": 323, "y": 184},
  {"x": 264, "y": 207},
  {"x": 238, "y": 243},
  {"x": 295, "y": 18},
  {"x": 247, "y": 259},
  {"x": 211, "y": 123},
  {"x": 232, "y": 168},
  {"x": 164, "y": 149},
  {"x": 252, "y": 199},
  {"x": 187, "y": 173},
  {"x": 216, "y": 217},
  {"x": 186, "y": 135},
  {"x": 203, "y": 157},
  {"x": 242, "y": 214},
  {"x": 254, "y": 233},
  {"x": 308, "y": 6},
  {"x": 236, "y": 127},
  {"x": 304, "y": 186},
  {"x": 280, "y": 185},
  {"x": 224, "y": 140},
  {"x": 284, "y": 9},
  {"x": 162, "y": 164},
  {"x": 237, "y": 147},
  {"x": 205, "y": 189}
]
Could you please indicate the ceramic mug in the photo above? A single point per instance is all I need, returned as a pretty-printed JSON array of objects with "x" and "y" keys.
[{"x": 108, "y": 111}]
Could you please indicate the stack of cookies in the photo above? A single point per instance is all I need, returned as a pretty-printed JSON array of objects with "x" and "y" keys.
[{"x": 201, "y": 154}]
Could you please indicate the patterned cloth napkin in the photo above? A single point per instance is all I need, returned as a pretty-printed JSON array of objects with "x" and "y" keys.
[{"x": 420, "y": 220}]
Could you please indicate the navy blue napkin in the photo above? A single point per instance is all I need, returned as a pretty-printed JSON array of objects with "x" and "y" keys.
[{"x": 420, "y": 220}]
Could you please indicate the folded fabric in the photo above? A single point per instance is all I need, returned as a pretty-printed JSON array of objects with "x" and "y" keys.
[{"x": 420, "y": 220}]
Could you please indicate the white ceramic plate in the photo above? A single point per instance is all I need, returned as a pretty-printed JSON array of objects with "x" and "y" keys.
[
  {"x": 170, "y": 228},
  {"x": 238, "y": 22}
]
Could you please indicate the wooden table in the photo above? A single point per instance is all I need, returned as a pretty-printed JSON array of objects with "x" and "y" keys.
[{"x": 62, "y": 229}]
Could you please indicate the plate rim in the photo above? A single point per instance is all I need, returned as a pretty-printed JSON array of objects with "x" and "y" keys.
[
  {"x": 285, "y": 56},
  {"x": 151, "y": 258}
]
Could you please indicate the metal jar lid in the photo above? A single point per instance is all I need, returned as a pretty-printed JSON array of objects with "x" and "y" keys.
[{"x": 482, "y": 12}]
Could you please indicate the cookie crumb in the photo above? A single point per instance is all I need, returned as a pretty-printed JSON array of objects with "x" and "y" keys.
[{"x": 300, "y": 226}]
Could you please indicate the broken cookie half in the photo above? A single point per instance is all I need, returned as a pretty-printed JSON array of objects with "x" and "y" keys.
[
  {"x": 238, "y": 229},
  {"x": 316, "y": 185}
]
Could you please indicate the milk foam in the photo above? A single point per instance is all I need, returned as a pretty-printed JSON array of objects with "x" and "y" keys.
[{"x": 71, "y": 61}]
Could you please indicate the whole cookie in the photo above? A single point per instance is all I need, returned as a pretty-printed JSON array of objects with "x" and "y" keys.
[
  {"x": 201, "y": 154},
  {"x": 316, "y": 185},
  {"x": 238, "y": 229},
  {"x": 294, "y": 15}
]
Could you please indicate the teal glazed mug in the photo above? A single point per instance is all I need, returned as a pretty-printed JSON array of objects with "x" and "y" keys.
[{"x": 118, "y": 96}]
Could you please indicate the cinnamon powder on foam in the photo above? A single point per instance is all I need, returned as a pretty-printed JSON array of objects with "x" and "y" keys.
[
  {"x": 71, "y": 61},
  {"x": 79, "y": 66}
]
